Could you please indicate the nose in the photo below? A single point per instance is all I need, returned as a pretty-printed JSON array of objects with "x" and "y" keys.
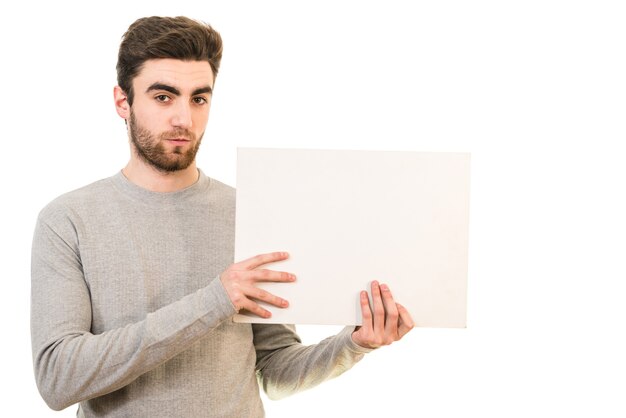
[{"x": 181, "y": 117}]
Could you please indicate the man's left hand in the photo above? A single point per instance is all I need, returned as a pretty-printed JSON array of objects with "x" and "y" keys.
[{"x": 383, "y": 323}]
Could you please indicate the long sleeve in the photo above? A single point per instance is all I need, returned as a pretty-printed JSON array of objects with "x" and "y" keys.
[
  {"x": 129, "y": 318},
  {"x": 72, "y": 364},
  {"x": 285, "y": 366}
]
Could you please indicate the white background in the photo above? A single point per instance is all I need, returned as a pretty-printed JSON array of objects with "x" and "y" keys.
[{"x": 535, "y": 90}]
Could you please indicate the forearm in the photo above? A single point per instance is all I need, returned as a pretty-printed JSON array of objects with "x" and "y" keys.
[
  {"x": 74, "y": 365},
  {"x": 296, "y": 367}
]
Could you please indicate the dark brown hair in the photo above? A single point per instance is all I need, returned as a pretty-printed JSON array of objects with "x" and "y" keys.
[{"x": 165, "y": 37}]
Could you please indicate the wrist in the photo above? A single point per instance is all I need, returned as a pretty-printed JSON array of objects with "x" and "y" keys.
[{"x": 355, "y": 343}]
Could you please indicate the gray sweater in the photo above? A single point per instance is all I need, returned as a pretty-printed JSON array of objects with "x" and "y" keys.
[{"x": 129, "y": 318}]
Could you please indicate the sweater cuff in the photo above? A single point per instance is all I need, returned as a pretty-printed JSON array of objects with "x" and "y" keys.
[
  {"x": 346, "y": 334},
  {"x": 217, "y": 299}
]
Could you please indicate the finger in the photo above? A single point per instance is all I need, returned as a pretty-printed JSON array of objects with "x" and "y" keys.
[
  {"x": 256, "y": 309},
  {"x": 406, "y": 323},
  {"x": 259, "y": 260},
  {"x": 379, "y": 310},
  {"x": 391, "y": 313},
  {"x": 264, "y": 275},
  {"x": 366, "y": 313},
  {"x": 265, "y": 296}
]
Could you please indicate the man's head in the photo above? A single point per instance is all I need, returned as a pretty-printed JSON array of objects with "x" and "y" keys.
[
  {"x": 166, "y": 72},
  {"x": 165, "y": 37}
]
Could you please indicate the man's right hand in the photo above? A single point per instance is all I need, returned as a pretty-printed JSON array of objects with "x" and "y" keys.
[{"x": 240, "y": 281}]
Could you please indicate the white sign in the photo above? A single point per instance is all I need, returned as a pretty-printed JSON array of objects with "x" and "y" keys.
[{"x": 349, "y": 217}]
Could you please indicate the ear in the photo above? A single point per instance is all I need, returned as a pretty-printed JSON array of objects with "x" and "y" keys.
[{"x": 121, "y": 102}]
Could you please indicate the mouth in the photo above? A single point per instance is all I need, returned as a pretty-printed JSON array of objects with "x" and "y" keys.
[{"x": 178, "y": 141}]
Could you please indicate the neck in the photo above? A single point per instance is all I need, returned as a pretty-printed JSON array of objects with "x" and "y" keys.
[{"x": 149, "y": 178}]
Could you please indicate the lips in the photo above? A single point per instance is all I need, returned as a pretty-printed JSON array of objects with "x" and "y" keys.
[{"x": 178, "y": 141}]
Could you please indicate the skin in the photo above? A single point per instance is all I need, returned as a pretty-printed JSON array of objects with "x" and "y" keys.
[
  {"x": 161, "y": 111},
  {"x": 171, "y": 106}
]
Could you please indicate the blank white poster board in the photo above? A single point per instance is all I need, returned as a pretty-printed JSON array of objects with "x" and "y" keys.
[{"x": 349, "y": 217}]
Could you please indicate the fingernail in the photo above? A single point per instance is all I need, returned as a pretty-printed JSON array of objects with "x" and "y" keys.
[
  {"x": 292, "y": 277},
  {"x": 284, "y": 303},
  {"x": 384, "y": 287}
]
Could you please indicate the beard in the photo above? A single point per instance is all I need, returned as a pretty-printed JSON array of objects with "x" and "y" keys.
[{"x": 150, "y": 148}]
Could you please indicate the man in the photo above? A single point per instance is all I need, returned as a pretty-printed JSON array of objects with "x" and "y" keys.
[{"x": 133, "y": 286}]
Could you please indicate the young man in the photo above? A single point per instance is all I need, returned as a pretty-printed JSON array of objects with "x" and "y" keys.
[{"x": 133, "y": 281}]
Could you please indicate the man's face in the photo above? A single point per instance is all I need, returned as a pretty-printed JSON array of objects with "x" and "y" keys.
[{"x": 170, "y": 111}]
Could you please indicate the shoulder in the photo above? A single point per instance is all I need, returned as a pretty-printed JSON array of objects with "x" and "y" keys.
[
  {"x": 220, "y": 192},
  {"x": 77, "y": 201},
  {"x": 221, "y": 188}
]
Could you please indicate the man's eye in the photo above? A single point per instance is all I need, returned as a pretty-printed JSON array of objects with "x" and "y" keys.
[
  {"x": 199, "y": 100},
  {"x": 162, "y": 98}
]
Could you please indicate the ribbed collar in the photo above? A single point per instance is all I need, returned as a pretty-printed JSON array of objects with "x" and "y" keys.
[{"x": 186, "y": 195}]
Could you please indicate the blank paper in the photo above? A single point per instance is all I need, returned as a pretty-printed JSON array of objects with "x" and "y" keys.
[{"x": 350, "y": 217}]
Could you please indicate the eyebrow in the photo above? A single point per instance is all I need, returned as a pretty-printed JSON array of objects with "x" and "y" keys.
[
  {"x": 202, "y": 90},
  {"x": 175, "y": 91}
]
